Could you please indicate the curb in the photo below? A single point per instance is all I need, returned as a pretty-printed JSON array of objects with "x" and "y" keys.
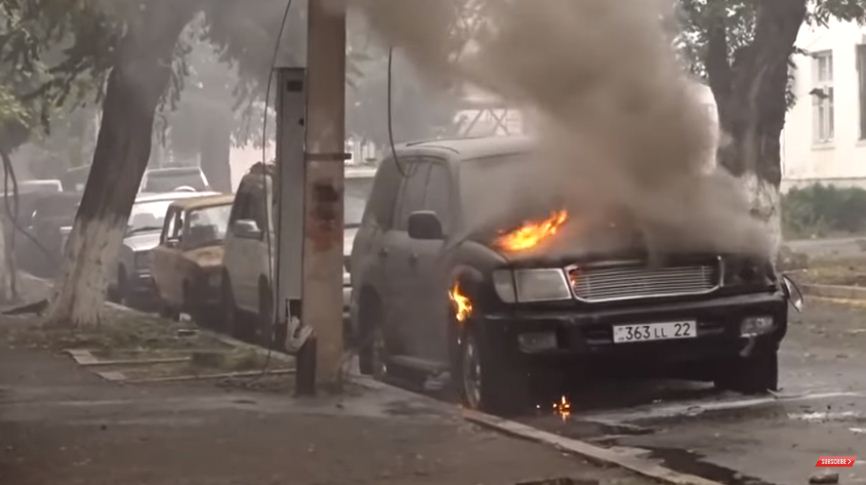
[
  {"x": 627, "y": 458},
  {"x": 836, "y": 291}
]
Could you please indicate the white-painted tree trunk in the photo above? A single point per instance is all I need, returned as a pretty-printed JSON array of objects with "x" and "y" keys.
[
  {"x": 766, "y": 203},
  {"x": 92, "y": 247}
]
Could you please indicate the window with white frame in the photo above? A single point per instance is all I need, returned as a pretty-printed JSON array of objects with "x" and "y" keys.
[{"x": 822, "y": 96}]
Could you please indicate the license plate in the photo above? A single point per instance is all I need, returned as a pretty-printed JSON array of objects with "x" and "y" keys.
[{"x": 648, "y": 332}]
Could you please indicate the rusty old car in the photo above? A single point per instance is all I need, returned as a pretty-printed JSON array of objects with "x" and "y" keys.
[{"x": 187, "y": 264}]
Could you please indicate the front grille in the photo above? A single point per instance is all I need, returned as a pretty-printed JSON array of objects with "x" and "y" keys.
[{"x": 630, "y": 281}]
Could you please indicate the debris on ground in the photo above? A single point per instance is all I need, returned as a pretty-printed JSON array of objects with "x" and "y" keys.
[{"x": 823, "y": 478}]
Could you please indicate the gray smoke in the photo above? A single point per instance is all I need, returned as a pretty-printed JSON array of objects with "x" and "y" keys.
[{"x": 615, "y": 123}]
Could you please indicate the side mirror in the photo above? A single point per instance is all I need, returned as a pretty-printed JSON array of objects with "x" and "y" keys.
[
  {"x": 247, "y": 229},
  {"x": 793, "y": 293},
  {"x": 425, "y": 226}
]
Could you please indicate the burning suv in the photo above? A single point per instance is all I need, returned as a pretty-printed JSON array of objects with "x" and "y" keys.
[{"x": 504, "y": 307}]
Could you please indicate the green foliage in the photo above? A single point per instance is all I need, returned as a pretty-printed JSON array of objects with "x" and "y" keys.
[
  {"x": 11, "y": 109},
  {"x": 820, "y": 210}
]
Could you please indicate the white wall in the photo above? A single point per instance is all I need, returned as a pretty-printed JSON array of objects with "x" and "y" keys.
[{"x": 804, "y": 160}]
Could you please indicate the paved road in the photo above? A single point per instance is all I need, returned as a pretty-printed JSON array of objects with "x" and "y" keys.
[
  {"x": 820, "y": 410},
  {"x": 731, "y": 438}
]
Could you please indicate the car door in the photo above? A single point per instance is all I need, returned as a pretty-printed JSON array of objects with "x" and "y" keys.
[
  {"x": 400, "y": 264},
  {"x": 241, "y": 250},
  {"x": 428, "y": 272},
  {"x": 165, "y": 257}
]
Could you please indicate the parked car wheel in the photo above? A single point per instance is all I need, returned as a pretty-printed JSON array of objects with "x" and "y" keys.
[
  {"x": 372, "y": 345},
  {"x": 233, "y": 324},
  {"x": 168, "y": 312},
  {"x": 193, "y": 308},
  {"x": 756, "y": 374},
  {"x": 267, "y": 332},
  {"x": 486, "y": 381},
  {"x": 124, "y": 293}
]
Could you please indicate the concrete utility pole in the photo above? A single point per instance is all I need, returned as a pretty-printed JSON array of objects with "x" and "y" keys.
[{"x": 325, "y": 156}]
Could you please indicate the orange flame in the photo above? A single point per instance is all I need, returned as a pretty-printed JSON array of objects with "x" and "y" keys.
[
  {"x": 532, "y": 233},
  {"x": 462, "y": 303},
  {"x": 562, "y": 408}
]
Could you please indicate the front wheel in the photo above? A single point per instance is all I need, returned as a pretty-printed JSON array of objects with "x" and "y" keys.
[
  {"x": 755, "y": 374},
  {"x": 232, "y": 321},
  {"x": 486, "y": 381},
  {"x": 372, "y": 344}
]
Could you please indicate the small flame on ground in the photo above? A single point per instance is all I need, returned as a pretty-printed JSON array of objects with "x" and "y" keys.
[
  {"x": 562, "y": 408},
  {"x": 532, "y": 233},
  {"x": 462, "y": 303}
]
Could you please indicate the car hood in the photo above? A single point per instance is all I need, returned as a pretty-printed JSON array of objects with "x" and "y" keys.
[
  {"x": 142, "y": 241},
  {"x": 206, "y": 256},
  {"x": 349, "y": 240}
]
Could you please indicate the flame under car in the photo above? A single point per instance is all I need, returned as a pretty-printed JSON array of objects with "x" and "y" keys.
[{"x": 546, "y": 291}]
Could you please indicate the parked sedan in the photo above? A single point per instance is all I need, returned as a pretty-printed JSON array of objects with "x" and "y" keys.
[
  {"x": 131, "y": 282},
  {"x": 187, "y": 264},
  {"x": 48, "y": 219}
]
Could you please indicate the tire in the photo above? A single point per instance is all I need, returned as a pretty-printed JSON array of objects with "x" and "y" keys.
[
  {"x": 264, "y": 319},
  {"x": 194, "y": 309},
  {"x": 756, "y": 374},
  {"x": 233, "y": 324},
  {"x": 124, "y": 294},
  {"x": 372, "y": 345},
  {"x": 486, "y": 380},
  {"x": 166, "y": 311}
]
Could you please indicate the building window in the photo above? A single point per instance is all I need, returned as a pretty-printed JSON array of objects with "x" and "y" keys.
[
  {"x": 861, "y": 81},
  {"x": 822, "y": 96}
]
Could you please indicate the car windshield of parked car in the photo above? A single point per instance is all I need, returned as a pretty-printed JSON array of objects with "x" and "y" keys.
[
  {"x": 508, "y": 174},
  {"x": 357, "y": 192},
  {"x": 169, "y": 181},
  {"x": 148, "y": 216},
  {"x": 207, "y": 226}
]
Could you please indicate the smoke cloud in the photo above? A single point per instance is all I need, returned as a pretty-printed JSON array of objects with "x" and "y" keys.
[{"x": 615, "y": 123}]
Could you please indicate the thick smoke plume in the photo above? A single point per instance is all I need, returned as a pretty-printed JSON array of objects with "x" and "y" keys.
[{"x": 615, "y": 122}]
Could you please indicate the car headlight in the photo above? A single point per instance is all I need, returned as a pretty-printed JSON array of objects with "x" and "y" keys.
[
  {"x": 531, "y": 285},
  {"x": 143, "y": 259},
  {"x": 748, "y": 272}
]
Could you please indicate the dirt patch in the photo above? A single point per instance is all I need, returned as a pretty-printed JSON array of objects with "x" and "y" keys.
[{"x": 120, "y": 333}]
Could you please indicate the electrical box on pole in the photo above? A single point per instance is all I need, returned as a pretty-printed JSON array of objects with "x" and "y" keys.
[{"x": 289, "y": 200}]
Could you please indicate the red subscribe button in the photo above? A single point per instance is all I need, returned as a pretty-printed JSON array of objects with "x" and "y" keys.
[{"x": 836, "y": 461}]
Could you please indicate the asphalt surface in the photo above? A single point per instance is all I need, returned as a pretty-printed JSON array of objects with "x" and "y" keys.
[
  {"x": 731, "y": 438},
  {"x": 60, "y": 423}
]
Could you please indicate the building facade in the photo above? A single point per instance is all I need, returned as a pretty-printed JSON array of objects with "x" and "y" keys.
[{"x": 824, "y": 139}]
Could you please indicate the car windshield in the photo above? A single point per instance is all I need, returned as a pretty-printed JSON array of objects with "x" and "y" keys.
[
  {"x": 509, "y": 174},
  {"x": 355, "y": 200},
  {"x": 207, "y": 225},
  {"x": 169, "y": 181},
  {"x": 148, "y": 216}
]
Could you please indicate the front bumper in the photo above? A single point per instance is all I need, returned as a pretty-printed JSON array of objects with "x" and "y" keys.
[{"x": 588, "y": 334}]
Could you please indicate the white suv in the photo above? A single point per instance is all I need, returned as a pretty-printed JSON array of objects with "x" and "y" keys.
[{"x": 247, "y": 290}]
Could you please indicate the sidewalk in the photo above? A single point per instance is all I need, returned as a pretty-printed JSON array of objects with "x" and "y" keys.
[{"x": 62, "y": 424}]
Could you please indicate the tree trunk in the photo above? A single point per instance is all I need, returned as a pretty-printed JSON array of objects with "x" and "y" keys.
[
  {"x": 216, "y": 153},
  {"x": 139, "y": 78},
  {"x": 752, "y": 103}
]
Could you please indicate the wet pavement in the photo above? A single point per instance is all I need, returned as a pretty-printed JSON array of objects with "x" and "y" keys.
[
  {"x": 731, "y": 438},
  {"x": 728, "y": 437}
]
